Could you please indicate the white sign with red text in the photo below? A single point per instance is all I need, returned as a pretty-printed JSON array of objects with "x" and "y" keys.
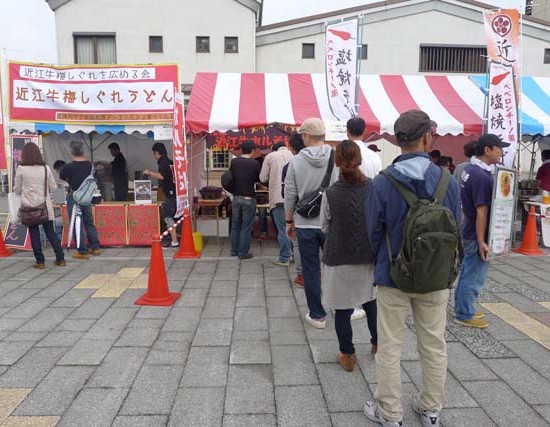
[{"x": 180, "y": 159}]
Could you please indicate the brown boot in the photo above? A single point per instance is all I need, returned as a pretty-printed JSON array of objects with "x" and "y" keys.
[
  {"x": 374, "y": 348},
  {"x": 347, "y": 361}
]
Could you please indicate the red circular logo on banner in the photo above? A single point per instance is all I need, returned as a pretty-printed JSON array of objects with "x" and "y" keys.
[{"x": 502, "y": 25}]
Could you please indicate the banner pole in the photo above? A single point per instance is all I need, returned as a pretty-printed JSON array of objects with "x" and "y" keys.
[{"x": 359, "y": 60}]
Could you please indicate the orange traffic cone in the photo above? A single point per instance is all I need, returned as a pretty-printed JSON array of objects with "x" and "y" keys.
[
  {"x": 187, "y": 244},
  {"x": 157, "y": 286},
  {"x": 529, "y": 245},
  {"x": 3, "y": 250}
]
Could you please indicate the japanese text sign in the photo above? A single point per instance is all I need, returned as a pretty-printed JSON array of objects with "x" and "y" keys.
[
  {"x": 341, "y": 67},
  {"x": 114, "y": 94},
  {"x": 3, "y": 163},
  {"x": 180, "y": 159},
  {"x": 503, "y": 113},
  {"x": 502, "y": 212}
]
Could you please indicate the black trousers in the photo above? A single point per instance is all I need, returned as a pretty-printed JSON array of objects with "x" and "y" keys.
[
  {"x": 342, "y": 323},
  {"x": 36, "y": 243}
]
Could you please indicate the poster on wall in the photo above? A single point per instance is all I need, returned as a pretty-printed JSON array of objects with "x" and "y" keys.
[
  {"x": 92, "y": 94},
  {"x": 502, "y": 212}
]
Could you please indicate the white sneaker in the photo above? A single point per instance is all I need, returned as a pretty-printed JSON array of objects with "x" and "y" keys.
[
  {"x": 372, "y": 413},
  {"x": 319, "y": 324},
  {"x": 358, "y": 313},
  {"x": 427, "y": 418}
]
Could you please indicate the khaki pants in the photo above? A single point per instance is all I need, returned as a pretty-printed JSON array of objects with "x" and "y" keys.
[{"x": 429, "y": 311}]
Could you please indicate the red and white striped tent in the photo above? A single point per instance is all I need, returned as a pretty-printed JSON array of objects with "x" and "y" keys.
[{"x": 232, "y": 101}]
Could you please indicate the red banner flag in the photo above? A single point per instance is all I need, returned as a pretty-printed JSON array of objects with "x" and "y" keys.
[
  {"x": 180, "y": 158},
  {"x": 3, "y": 162}
]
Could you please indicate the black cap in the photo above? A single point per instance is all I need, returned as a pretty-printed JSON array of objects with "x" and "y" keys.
[
  {"x": 412, "y": 124},
  {"x": 491, "y": 140}
]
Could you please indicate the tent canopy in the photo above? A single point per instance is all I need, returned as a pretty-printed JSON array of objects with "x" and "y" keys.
[
  {"x": 535, "y": 103},
  {"x": 231, "y": 101}
]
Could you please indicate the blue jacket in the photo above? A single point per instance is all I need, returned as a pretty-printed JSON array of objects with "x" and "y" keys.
[{"x": 386, "y": 209}]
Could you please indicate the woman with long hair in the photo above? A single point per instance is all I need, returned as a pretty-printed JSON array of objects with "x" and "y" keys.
[
  {"x": 30, "y": 178},
  {"x": 348, "y": 262}
]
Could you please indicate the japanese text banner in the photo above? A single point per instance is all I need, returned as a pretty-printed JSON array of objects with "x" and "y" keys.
[
  {"x": 341, "y": 67},
  {"x": 180, "y": 159},
  {"x": 3, "y": 163},
  {"x": 89, "y": 94},
  {"x": 503, "y": 112}
]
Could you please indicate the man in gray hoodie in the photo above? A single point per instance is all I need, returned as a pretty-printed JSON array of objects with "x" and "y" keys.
[{"x": 305, "y": 173}]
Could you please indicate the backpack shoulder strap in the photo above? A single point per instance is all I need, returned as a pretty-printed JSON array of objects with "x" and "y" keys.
[
  {"x": 442, "y": 186},
  {"x": 407, "y": 194},
  {"x": 330, "y": 167}
]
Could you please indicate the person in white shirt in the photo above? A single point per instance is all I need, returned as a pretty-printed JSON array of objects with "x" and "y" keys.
[{"x": 371, "y": 164}]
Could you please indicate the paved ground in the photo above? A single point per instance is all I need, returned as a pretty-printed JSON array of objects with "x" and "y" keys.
[{"x": 234, "y": 350}]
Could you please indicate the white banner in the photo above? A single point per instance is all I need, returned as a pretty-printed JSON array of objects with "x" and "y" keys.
[
  {"x": 341, "y": 67},
  {"x": 503, "y": 112},
  {"x": 510, "y": 4}
]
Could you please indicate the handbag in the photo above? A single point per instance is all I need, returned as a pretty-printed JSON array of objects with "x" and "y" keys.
[
  {"x": 309, "y": 206},
  {"x": 36, "y": 215}
]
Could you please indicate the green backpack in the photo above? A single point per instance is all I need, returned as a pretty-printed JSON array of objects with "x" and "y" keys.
[{"x": 429, "y": 257}]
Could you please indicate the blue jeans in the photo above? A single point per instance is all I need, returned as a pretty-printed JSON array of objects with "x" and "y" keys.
[
  {"x": 87, "y": 224},
  {"x": 310, "y": 240},
  {"x": 243, "y": 211},
  {"x": 472, "y": 278},
  {"x": 36, "y": 242},
  {"x": 285, "y": 246}
]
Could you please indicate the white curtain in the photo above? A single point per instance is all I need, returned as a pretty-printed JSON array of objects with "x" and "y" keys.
[
  {"x": 84, "y": 50},
  {"x": 106, "y": 50}
]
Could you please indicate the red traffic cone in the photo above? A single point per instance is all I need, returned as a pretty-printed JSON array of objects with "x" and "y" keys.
[
  {"x": 529, "y": 245},
  {"x": 187, "y": 245},
  {"x": 157, "y": 286},
  {"x": 3, "y": 250}
]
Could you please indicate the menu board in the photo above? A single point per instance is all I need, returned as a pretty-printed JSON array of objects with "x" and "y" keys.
[
  {"x": 143, "y": 224},
  {"x": 502, "y": 212},
  {"x": 110, "y": 221}
]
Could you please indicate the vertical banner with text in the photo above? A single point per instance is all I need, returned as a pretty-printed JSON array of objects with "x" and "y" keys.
[
  {"x": 341, "y": 67},
  {"x": 3, "y": 162},
  {"x": 502, "y": 117},
  {"x": 180, "y": 158}
]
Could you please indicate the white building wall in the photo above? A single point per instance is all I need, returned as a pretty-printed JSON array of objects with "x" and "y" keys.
[
  {"x": 394, "y": 45},
  {"x": 178, "y": 21}
]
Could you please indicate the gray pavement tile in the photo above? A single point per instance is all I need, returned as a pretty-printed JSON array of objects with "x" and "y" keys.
[
  {"x": 198, "y": 407},
  {"x": 530, "y": 292},
  {"x": 73, "y": 298},
  {"x": 465, "y": 366},
  {"x": 182, "y": 320},
  {"x": 280, "y": 324},
  {"x": 206, "y": 367},
  {"x": 521, "y": 378},
  {"x": 128, "y": 298},
  {"x": 465, "y": 417},
  {"x": 248, "y": 352},
  {"x": 455, "y": 395},
  {"x": 250, "y": 268},
  {"x": 251, "y": 298},
  {"x": 146, "y": 323},
  {"x": 137, "y": 337},
  {"x": 250, "y": 336},
  {"x": 163, "y": 357},
  {"x": 119, "y": 368},
  {"x": 175, "y": 336},
  {"x": 343, "y": 391},
  {"x": 502, "y": 404},
  {"x": 250, "y": 319},
  {"x": 274, "y": 272},
  {"x": 501, "y": 330},
  {"x": 301, "y": 406},
  {"x": 75, "y": 325},
  {"x": 278, "y": 289},
  {"x": 487, "y": 296},
  {"x": 251, "y": 281},
  {"x": 16, "y": 297},
  {"x": 86, "y": 352},
  {"x": 56, "y": 392},
  {"x": 192, "y": 298},
  {"x": 346, "y": 419},
  {"x": 29, "y": 308},
  {"x": 213, "y": 332},
  {"x": 544, "y": 411},
  {"x": 57, "y": 289},
  {"x": 31, "y": 368},
  {"x": 153, "y": 312},
  {"x": 223, "y": 288},
  {"x": 293, "y": 365},
  {"x": 523, "y": 304},
  {"x": 249, "y": 390},
  {"x": 324, "y": 351},
  {"x": 92, "y": 308},
  {"x": 10, "y": 324},
  {"x": 111, "y": 324},
  {"x": 47, "y": 320},
  {"x": 258, "y": 420},
  {"x": 60, "y": 339},
  {"x": 288, "y": 338},
  {"x": 282, "y": 307},
  {"x": 219, "y": 308},
  {"x": 94, "y": 406},
  {"x": 11, "y": 352},
  {"x": 140, "y": 421},
  {"x": 502, "y": 278},
  {"x": 25, "y": 336},
  {"x": 536, "y": 356},
  {"x": 153, "y": 391},
  {"x": 197, "y": 283},
  {"x": 314, "y": 334},
  {"x": 480, "y": 342}
]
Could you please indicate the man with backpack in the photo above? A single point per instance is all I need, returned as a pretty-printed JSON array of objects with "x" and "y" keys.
[
  {"x": 413, "y": 209},
  {"x": 76, "y": 173}
]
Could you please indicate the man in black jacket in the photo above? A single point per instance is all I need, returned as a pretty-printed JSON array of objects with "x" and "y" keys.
[{"x": 119, "y": 172}]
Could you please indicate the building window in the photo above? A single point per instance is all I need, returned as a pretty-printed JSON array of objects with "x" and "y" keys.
[
  {"x": 363, "y": 52},
  {"x": 308, "y": 50},
  {"x": 217, "y": 159},
  {"x": 155, "y": 44},
  {"x": 529, "y": 7},
  {"x": 547, "y": 56},
  {"x": 231, "y": 45},
  {"x": 453, "y": 59},
  {"x": 94, "y": 49},
  {"x": 203, "y": 44}
]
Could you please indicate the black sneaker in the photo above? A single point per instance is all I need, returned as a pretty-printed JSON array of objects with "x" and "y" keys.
[{"x": 247, "y": 256}]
